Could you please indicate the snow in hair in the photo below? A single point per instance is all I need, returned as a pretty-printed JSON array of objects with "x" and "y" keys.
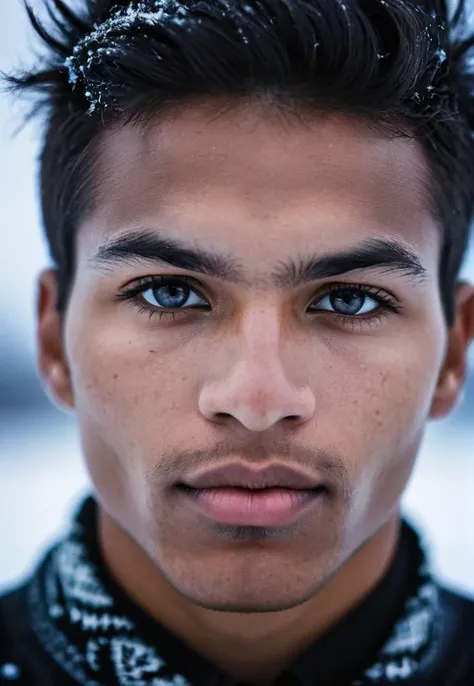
[{"x": 110, "y": 37}]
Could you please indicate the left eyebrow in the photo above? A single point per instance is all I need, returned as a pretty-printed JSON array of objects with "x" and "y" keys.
[
  {"x": 374, "y": 253},
  {"x": 382, "y": 254}
]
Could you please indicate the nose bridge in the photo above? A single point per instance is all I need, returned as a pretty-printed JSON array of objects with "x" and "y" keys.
[
  {"x": 260, "y": 351},
  {"x": 260, "y": 338},
  {"x": 257, "y": 385}
]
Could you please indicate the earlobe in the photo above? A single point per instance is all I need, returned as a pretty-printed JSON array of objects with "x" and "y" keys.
[
  {"x": 449, "y": 391},
  {"x": 51, "y": 356},
  {"x": 447, "y": 395}
]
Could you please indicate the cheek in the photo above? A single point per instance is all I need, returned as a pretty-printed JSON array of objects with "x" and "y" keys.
[
  {"x": 131, "y": 407},
  {"x": 127, "y": 385},
  {"x": 377, "y": 420},
  {"x": 383, "y": 402}
]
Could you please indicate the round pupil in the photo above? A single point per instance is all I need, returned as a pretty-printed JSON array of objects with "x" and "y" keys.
[
  {"x": 347, "y": 301},
  {"x": 171, "y": 295}
]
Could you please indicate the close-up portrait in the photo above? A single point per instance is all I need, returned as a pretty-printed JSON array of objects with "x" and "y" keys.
[{"x": 237, "y": 343}]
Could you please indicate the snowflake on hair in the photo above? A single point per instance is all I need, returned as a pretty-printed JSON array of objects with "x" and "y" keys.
[{"x": 108, "y": 39}]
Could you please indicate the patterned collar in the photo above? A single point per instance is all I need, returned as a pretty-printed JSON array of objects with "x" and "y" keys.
[{"x": 79, "y": 619}]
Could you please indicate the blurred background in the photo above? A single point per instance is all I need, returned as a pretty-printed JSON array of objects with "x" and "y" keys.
[{"x": 42, "y": 477}]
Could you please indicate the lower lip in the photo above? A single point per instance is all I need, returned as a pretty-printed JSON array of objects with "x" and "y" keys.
[{"x": 245, "y": 507}]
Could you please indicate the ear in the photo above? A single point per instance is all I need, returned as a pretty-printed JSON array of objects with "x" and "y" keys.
[
  {"x": 460, "y": 335},
  {"x": 51, "y": 357}
]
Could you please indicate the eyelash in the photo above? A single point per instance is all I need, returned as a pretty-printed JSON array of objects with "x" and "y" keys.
[
  {"x": 387, "y": 303},
  {"x": 149, "y": 282}
]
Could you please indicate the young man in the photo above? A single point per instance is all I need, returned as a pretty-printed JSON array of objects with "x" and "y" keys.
[{"x": 257, "y": 214}]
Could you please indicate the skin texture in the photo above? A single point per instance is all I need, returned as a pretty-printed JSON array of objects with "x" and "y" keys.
[{"x": 255, "y": 377}]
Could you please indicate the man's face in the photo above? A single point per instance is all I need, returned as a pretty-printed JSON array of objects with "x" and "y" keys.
[{"x": 253, "y": 368}]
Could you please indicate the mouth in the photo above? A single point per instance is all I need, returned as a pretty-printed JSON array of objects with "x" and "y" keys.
[{"x": 275, "y": 506}]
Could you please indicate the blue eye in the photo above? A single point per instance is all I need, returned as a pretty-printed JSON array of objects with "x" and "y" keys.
[
  {"x": 172, "y": 295},
  {"x": 348, "y": 302},
  {"x": 356, "y": 302},
  {"x": 164, "y": 296}
]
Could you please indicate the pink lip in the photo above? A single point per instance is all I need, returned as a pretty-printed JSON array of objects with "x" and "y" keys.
[
  {"x": 246, "y": 475},
  {"x": 245, "y": 507}
]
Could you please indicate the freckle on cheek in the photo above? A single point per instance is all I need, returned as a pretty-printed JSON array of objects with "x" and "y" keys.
[{"x": 115, "y": 376}]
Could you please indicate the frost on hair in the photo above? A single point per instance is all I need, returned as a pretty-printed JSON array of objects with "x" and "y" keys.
[
  {"x": 167, "y": 50},
  {"x": 108, "y": 40}
]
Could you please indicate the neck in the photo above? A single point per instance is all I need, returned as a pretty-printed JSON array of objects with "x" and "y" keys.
[{"x": 269, "y": 641}]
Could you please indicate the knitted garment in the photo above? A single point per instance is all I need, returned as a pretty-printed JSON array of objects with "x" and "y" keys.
[{"x": 76, "y": 619}]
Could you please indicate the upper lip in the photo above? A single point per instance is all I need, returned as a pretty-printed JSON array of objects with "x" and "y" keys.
[{"x": 240, "y": 475}]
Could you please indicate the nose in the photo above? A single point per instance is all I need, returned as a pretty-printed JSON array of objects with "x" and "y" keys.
[{"x": 257, "y": 387}]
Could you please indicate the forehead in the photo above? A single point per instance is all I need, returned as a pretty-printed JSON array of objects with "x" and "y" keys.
[{"x": 237, "y": 176}]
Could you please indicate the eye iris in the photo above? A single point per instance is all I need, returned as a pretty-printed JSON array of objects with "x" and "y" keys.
[
  {"x": 171, "y": 295},
  {"x": 347, "y": 301}
]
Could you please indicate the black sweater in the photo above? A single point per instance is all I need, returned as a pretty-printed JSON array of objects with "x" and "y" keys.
[{"x": 70, "y": 623}]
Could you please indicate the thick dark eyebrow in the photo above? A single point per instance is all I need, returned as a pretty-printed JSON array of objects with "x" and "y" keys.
[
  {"x": 128, "y": 248},
  {"x": 374, "y": 253},
  {"x": 387, "y": 255}
]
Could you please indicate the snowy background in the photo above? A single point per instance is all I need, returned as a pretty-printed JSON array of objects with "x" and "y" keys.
[{"x": 42, "y": 477}]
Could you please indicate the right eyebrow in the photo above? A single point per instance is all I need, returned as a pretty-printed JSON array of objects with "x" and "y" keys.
[{"x": 152, "y": 246}]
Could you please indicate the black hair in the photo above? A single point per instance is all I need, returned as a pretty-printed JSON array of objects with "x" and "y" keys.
[{"x": 401, "y": 65}]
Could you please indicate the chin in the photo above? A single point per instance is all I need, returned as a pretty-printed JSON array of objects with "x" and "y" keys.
[
  {"x": 246, "y": 588},
  {"x": 247, "y": 603}
]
